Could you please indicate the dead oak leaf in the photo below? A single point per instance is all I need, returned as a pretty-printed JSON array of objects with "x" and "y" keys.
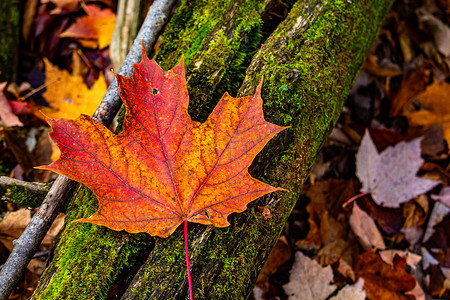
[
  {"x": 164, "y": 169},
  {"x": 390, "y": 176}
]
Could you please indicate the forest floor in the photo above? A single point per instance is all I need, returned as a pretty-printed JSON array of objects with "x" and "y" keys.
[{"x": 383, "y": 234}]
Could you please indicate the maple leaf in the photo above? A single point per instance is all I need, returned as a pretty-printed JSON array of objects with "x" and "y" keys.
[
  {"x": 308, "y": 280},
  {"x": 390, "y": 176},
  {"x": 95, "y": 29},
  {"x": 68, "y": 95},
  {"x": 164, "y": 169}
]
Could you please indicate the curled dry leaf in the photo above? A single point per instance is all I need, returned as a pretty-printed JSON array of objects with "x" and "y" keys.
[
  {"x": 439, "y": 31},
  {"x": 437, "y": 215},
  {"x": 353, "y": 292},
  {"x": 390, "y": 176},
  {"x": 364, "y": 228},
  {"x": 7, "y": 116},
  {"x": 411, "y": 259},
  {"x": 444, "y": 196},
  {"x": 164, "y": 169}
]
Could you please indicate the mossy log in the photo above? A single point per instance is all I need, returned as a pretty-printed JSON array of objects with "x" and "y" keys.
[
  {"x": 309, "y": 64},
  {"x": 9, "y": 39}
]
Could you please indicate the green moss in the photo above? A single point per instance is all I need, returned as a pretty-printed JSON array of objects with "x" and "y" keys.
[
  {"x": 89, "y": 258},
  {"x": 218, "y": 40},
  {"x": 307, "y": 90},
  {"x": 21, "y": 196}
]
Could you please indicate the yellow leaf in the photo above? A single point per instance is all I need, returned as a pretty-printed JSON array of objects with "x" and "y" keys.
[{"x": 68, "y": 95}]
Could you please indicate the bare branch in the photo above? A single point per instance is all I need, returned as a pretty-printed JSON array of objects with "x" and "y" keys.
[{"x": 29, "y": 241}]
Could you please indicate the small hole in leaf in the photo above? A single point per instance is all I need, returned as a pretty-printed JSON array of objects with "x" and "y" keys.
[{"x": 155, "y": 91}]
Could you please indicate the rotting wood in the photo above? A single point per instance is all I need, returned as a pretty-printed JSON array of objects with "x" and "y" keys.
[{"x": 309, "y": 64}]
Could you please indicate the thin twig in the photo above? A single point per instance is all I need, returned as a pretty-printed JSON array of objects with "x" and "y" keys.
[
  {"x": 32, "y": 187},
  {"x": 29, "y": 241}
]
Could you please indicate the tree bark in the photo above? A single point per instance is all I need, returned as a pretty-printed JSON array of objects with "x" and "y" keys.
[{"x": 309, "y": 64}]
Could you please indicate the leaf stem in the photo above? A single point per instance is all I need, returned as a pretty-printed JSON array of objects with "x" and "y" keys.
[
  {"x": 188, "y": 267},
  {"x": 354, "y": 198}
]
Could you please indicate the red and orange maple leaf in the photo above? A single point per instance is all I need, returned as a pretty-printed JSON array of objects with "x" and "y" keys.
[{"x": 163, "y": 168}]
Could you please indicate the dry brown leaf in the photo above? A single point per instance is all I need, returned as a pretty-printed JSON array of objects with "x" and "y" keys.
[
  {"x": 279, "y": 255},
  {"x": 95, "y": 29},
  {"x": 435, "y": 108},
  {"x": 373, "y": 68},
  {"x": 353, "y": 292},
  {"x": 63, "y": 5},
  {"x": 383, "y": 281},
  {"x": 415, "y": 212},
  {"x": 433, "y": 142},
  {"x": 345, "y": 269},
  {"x": 330, "y": 229},
  {"x": 12, "y": 226},
  {"x": 412, "y": 259},
  {"x": 14, "y": 223},
  {"x": 331, "y": 252},
  {"x": 439, "y": 31},
  {"x": 365, "y": 229},
  {"x": 308, "y": 280},
  {"x": 413, "y": 83},
  {"x": 444, "y": 196},
  {"x": 437, "y": 215},
  {"x": 324, "y": 195}
]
